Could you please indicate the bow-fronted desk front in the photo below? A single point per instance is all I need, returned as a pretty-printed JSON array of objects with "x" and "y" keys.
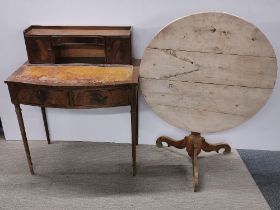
[{"x": 75, "y": 87}]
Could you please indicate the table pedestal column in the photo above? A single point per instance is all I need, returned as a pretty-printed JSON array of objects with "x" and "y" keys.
[{"x": 194, "y": 143}]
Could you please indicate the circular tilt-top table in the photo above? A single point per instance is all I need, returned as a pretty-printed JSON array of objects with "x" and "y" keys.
[{"x": 206, "y": 73}]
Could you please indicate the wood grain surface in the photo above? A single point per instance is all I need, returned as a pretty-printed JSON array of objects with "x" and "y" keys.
[
  {"x": 78, "y": 31},
  {"x": 208, "y": 72},
  {"x": 75, "y": 75}
]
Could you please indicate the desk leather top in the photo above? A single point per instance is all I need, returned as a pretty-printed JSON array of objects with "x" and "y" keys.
[{"x": 60, "y": 75}]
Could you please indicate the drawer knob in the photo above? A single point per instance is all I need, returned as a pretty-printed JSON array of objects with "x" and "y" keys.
[
  {"x": 41, "y": 95},
  {"x": 98, "y": 98}
]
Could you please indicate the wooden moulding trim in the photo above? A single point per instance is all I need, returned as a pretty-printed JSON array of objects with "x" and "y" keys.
[
  {"x": 116, "y": 31},
  {"x": 75, "y": 106}
]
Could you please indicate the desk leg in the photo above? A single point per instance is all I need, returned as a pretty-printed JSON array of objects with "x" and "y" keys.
[
  {"x": 134, "y": 137},
  {"x": 137, "y": 119},
  {"x": 43, "y": 109},
  {"x": 134, "y": 126},
  {"x": 24, "y": 138}
]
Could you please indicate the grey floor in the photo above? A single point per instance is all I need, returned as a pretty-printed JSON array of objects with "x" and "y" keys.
[
  {"x": 84, "y": 175},
  {"x": 264, "y": 166}
]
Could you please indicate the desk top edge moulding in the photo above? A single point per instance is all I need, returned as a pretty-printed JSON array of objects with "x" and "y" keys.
[
  {"x": 76, "y": 67},
  {"x": 206, "y": 73}
]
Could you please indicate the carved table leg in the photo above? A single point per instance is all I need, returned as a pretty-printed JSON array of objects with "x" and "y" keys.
[
  {"x": 193, "y": 143},
  {"x": 43, "y": 109},
  {"x": 171, "y": 142},
  {"x": 215, "y": 147},
  {"x": 24, "y": 138}
]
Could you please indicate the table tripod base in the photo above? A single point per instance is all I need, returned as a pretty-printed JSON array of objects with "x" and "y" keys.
[{"x": 194, "y": 143}]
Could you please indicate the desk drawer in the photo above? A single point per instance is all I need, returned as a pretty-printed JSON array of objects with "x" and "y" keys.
[
  {"x": 101, "y": 98},
  {"x": 41, "y": 96},
  {"x": 62, "y": 40}
]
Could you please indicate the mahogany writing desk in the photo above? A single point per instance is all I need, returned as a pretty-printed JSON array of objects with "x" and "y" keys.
[{"x": 75, "y": 87}]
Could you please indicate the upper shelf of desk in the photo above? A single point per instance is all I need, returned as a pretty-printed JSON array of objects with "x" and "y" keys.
[
  {"x": 75, "y": 75},
  {"x": 106, "y": 31},
  {"x": 79, "y": 44}
]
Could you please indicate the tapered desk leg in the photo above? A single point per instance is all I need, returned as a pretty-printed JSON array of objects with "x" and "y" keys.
[
  {"x": 43, "y": 109},
  {"x": 137, "y": 119},
  {"x": 134, "y": 125},
  {"x": 24, "y": 138},
  {"x": 134, "y": 137}
]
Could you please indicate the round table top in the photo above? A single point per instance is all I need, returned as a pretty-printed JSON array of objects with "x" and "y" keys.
[{"x": 208, "y": 72}]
